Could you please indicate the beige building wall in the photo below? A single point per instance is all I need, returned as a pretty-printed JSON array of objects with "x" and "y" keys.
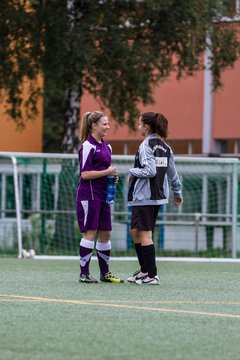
[
  {"x": 227, "y": 106},
  {"x": 27, "y": 140},
  {"x": 182, "y": 102}
]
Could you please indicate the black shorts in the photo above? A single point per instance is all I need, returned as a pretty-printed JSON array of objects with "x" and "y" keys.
[{"x": 144, "y": 217}]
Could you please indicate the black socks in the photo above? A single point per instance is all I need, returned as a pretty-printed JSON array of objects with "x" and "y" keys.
[
  {"x": 138, "y": 248},
  {"x": 149, "y": 259}
]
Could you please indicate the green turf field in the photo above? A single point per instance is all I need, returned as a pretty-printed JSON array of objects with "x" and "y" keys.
[{"x": 46, "y": 314}]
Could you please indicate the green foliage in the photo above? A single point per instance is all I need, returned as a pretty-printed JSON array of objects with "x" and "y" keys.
[
  {"x": 116, "y": 50},
  {"x": 21, "y": 51}
]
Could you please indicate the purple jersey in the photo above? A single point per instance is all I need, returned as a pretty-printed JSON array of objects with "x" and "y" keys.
[{"x": 93, "y": 156}]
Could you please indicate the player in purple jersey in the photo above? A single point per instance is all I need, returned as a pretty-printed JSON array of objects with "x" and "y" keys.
[{"x": 93, "y": 212}]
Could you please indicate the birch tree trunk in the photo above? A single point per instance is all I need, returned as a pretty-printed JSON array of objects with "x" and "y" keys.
[{"x": 71, "y": 121}]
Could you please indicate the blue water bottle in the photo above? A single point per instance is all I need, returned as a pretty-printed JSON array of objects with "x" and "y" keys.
[{"x": 111, "y": 189}]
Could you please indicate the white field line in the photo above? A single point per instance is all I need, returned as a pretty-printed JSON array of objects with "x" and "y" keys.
[
  {"x": 133, "y": 258},
  {"x": 123, "y": 306}
]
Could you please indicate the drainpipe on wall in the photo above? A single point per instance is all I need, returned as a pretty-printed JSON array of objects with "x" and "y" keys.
[{"x": 207, "y": 134}]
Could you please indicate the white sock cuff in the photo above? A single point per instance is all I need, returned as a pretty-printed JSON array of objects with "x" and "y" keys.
[
  {"x": 103, "y": 246},
  {"x": 89, "y": 244}
]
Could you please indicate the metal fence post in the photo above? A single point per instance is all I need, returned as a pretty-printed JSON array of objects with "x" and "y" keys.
[
  {"x": 197, "y": 221},
  {"x": 43, "y": 215},
  {"x": 17, "y": 203},
  {"x": 234, "y": 209}
]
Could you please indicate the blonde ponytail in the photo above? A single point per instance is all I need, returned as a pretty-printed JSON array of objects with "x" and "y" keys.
[
  {"x": 86, "y": 124},
  {"x": 85, "y": 130}
]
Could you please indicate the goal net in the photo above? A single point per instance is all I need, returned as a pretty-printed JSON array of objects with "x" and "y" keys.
[{"x": 37, "y": 208}]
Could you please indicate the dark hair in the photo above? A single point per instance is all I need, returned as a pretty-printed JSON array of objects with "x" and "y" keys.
[
  {"x": 157, "y": 122},
  {"x": 88, "y": 119}
]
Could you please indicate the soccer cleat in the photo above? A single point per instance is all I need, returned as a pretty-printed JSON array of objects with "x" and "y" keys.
[
  {"x": 137, "y": 276},
  {"x": 87, "y": 278},
  {"x": 109, "y": 277},
  {"x": 149, "y": 281}
]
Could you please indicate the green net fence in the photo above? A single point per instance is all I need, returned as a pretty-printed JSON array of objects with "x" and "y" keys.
[{"x": 37, "y": 208}]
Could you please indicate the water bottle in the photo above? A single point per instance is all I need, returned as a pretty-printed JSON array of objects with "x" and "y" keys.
[{"x": 111, "y": 189}]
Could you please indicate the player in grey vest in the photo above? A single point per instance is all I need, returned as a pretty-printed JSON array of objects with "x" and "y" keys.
[{"x": 153, "y": 169}]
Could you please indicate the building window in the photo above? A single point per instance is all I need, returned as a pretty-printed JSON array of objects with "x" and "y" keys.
[
  {"x": 233, "y": 146},
  {"x": 227, "y": 147},
  {"x": 179, "y": 147},
  {"x": 230, "y": 8},
  {"x": 117, "y": 147},
  {"x": 186, "y": 147}
]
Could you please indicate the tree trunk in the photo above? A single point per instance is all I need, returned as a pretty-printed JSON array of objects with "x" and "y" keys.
[{"x": 71, "y": 119}]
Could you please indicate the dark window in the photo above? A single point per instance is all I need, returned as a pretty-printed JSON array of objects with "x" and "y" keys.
[{"x": 229, "y": 7}]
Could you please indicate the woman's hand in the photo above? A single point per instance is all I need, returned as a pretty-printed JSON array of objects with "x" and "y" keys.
[
  {"x": 178, "y": 200},
  {"x": 112, "y": 170}
]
